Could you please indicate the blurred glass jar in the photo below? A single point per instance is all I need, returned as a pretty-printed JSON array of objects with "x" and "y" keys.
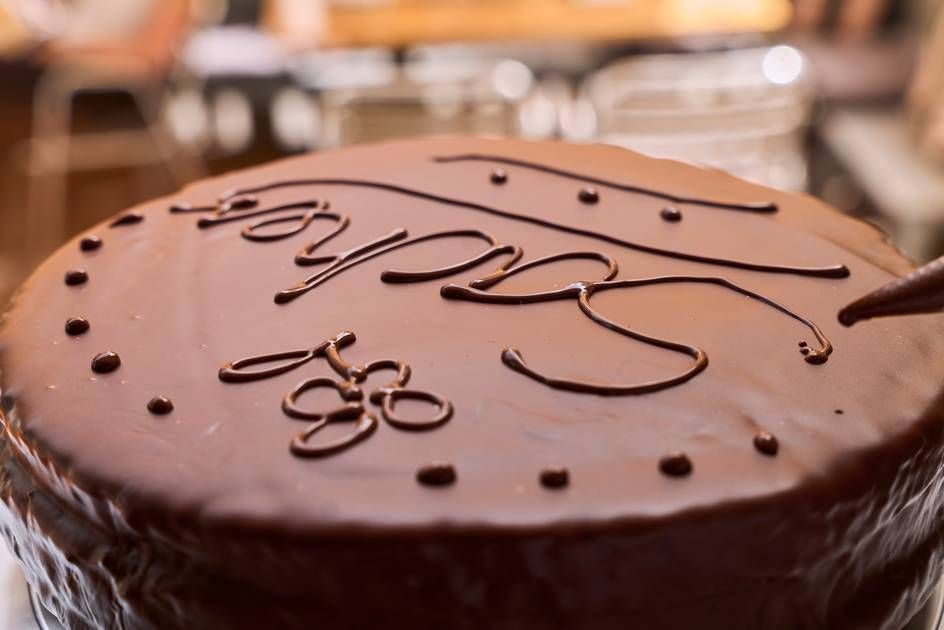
[
  {"x": 742, "y": 111},
  {"x": 432, "y": 92}
]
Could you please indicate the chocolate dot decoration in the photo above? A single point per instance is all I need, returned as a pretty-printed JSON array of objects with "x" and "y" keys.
[
  {"x": 839, "y": 412},
  {"x": 499, "y": 176},
  {"x": 436, "y": 473},
  {"x": 671, "y": 214},
  {"x": 554, "y": 477},
  {"x": 75, "y": 277},
  {"x": 766, "y": 443},
  {"x": 77, "y": 326},
  {"x": 160, "y": 405},
  {"x": 675, "y": 464},
  {"x": 240, "y": 202},
  {"x": 90, "y": 243},
  {"x": 128, "y": 218},
  {"x": 105, "y": 362},
  {"x": 588, "y": 194},
  {"x": 803, "y": 344}
]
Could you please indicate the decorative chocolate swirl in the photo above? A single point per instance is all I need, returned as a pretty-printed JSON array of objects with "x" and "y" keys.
[
  {"x": 353, "y": 409},
  {"x": 334, "y": 264},
  {"x": 762, "y": 206},
  {"x": 582, "y": 292},
  {"x": 241, "y": 205},
  {"x": 342, "y": 261},
  {"x": 832, "y": 271}
]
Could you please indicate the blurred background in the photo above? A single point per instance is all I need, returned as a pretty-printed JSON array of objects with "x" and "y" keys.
[{"x": 105, "y": 103}]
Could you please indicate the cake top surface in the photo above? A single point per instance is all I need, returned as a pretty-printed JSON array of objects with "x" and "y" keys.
[{"x": 471, "y": 332}]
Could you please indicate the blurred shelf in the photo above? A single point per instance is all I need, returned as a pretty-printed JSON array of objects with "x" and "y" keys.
[
  {"x": 303, "y": 23},
  {"x": 877, "y": 148}
]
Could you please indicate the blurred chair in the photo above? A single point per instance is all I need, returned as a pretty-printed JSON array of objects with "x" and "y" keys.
[
  {"x": 742, "y": 111},
  {"x": 234, "y": 71},
  {"x": 367, "y": 96},
  {"x": 846, "y": 20},
  {"x": 138, "y": 64}
]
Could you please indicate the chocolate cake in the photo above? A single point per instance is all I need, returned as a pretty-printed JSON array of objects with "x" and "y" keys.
[{"x": 472, "y": 383}]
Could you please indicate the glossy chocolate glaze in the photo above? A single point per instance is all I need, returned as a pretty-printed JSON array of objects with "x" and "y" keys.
[
  {"x": 349, "y": 390},
  {"x": 213, "y": 515}
]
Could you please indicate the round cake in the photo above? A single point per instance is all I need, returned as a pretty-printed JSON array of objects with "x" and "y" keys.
[{"x": 467, "y": 383}]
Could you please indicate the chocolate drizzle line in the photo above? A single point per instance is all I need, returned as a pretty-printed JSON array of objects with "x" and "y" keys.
[
  {"x": 128, "y": 218},
  {"x": 396, "y": 239},
  {"x": 184, "y": 207},
  {"x": 352, "y": 409},
  {"x": 833, "y": 271},
  {"x": 582, "y": 292},
  {"x": 763, "y": 206}
]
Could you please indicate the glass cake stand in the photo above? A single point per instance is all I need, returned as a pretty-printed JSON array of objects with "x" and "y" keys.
[
  {"x": 928, "y": 618},
  {"x": 20, "y": 609}
]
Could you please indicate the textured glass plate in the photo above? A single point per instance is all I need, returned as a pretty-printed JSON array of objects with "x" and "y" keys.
[{"x": 20, "y": 611}]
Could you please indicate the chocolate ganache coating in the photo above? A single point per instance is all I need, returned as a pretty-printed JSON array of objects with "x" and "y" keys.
[{"x": 376, "y": 354}]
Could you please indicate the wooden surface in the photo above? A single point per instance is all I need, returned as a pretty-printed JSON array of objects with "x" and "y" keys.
[
  {"x": 309, "y": 23},
  {"x": 15, "y": 39}
]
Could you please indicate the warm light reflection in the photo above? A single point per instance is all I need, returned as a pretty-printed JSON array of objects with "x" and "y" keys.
[{"x": 782, "y": 65}]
